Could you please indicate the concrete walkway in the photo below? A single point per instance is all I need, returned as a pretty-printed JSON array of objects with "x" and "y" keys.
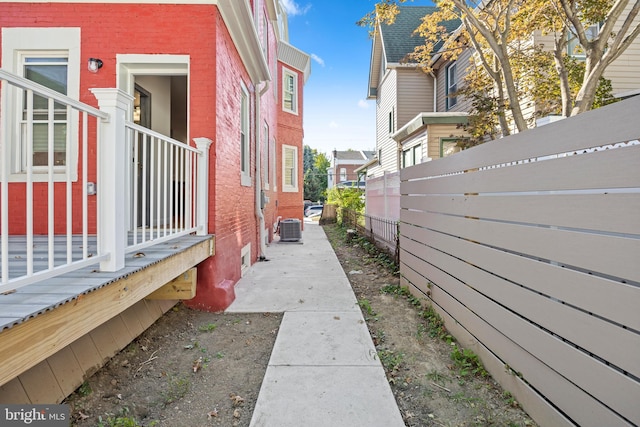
[{"x": 323, "y": 369}]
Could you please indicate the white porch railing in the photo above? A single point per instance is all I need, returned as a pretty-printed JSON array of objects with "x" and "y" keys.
[
  {"x": 163, "y": 195},
  {"x": 99, "y": 145}
]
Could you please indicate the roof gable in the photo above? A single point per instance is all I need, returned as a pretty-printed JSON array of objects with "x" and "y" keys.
[
  {"x": 358, "y": 155},
  {"x": 398, "y": 38},
  {"x": 392, "y": 43}
]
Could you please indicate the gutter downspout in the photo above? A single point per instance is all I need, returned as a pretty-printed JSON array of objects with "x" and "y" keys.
[
  {"x": 259, "y": 215},
  {"x": 435, "y": 91}
]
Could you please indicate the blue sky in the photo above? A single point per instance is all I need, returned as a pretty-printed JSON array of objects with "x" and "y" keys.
[{"x": 336, "y": 112}]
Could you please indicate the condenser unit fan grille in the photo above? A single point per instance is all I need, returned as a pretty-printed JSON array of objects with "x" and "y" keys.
[{"x": 290, "y": 230}]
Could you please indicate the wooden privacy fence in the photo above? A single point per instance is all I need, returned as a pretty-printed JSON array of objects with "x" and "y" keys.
[{"x": 529, "y": 248}]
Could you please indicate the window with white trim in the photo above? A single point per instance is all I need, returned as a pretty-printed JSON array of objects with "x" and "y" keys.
[
  {"x": 245, "y": 153},
  {"x": 274, "y": 164},
  {"x": 266, "y": 161},
  {"x": 452, "y": 85},
  {"x": 411, "y": 156},
  {"x": 289, "y": 168},
  {"x": 574, "y": 48},
  {"x": 49, "y": 57},
  {"x": 49, "y": 70},
  {"x": 289, "y": 91},
  {"x": 343, "y": 174},
  {"x": 265, "y": 37}
]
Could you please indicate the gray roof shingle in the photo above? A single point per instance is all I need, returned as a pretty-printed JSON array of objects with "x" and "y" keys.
[
  {"x": 349, "y": 155},
  {"x": 398, "y": 37}
]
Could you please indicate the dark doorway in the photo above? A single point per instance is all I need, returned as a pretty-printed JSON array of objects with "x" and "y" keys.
[{"x": 142, "y": 117}]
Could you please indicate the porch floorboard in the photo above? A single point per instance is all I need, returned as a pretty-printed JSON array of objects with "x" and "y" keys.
[{"x": 32, "y": 300}]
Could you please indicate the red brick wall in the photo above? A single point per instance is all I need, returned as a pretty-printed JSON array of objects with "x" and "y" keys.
[
  {"x": 234, "y": 214},
  {"x": 351, "y": 174},
  {"x": 290, "y": 132},
  {"x": 268, "y": 107},
  {"x": 109, "y": 29},
  {"x": 215, "y": 74}
]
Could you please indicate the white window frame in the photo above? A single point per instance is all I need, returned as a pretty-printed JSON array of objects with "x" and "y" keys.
[
  {"x": 343, "y": 174},
  {"x": 293, "y": 186},
  {"x": 275, "y": 81},
  {"x": 411, "y": 155},
  {"x": 452, "y": 85},
  {"x": 245, "y": 130},
  {"x": 265, "y": 37},
  {"x": 245, "y": 258},
  {"x": 274, "y": 164},
  {"x": 20, "y": 43},
  {"x": 293, "y": 94},
  {"x": 592, "y": 32},
  {"x": 266, "y": 160}
]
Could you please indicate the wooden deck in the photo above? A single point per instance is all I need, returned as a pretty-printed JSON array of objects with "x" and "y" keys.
[{"x": 42, "y": 321}]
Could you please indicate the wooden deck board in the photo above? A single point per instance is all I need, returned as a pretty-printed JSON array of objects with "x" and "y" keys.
[
  {"x": 96, "y": 312},
  {"x": 32, "y": 300}
]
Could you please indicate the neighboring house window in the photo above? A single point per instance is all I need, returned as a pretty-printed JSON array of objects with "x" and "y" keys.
[
  {"x": 452, "y": 85},
  {"x": 273, "y": 165},
  {"x": 289, "y": 91},
  {"x": 266, "y": 161},
  {"x": 449, "y": 146},
  {"x": 51, "y": 58},
  {"x": 289, "y": 168},
  {"x": 245, "y": 153},
  {"x": 391, "y": 120},
  {"x": 574, "y": 48},
  {"x": 411, "y": 156},
  {"x": 343, "y": 174}
]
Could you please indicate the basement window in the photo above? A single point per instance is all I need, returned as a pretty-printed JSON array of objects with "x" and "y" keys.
[{"x": 245, "y": 258}]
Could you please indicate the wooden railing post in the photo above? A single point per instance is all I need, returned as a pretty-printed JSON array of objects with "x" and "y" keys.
[
  {"x": 202, "y": 190},
  {"x": 112, "y": 184}
]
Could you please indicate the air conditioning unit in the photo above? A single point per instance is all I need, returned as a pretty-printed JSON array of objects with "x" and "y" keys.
[{"x": 290, "y": 230}]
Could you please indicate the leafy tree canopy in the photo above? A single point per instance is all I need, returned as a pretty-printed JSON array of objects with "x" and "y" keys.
[
  {"x": 315, "y": 166},
  {"x": 508, "y": 70}
]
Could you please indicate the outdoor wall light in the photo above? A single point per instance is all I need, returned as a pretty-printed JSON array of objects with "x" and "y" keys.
[{"x": 94, "y": 64}]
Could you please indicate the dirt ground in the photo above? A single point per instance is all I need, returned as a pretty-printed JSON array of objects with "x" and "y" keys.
[
  {"x": 195, "y": 369},
  {"x": 189, "y": 369},
  {"x": 431, "y": 387}
]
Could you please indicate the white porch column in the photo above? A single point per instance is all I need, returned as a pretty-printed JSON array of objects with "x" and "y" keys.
[
  {"x": 202, "y": 191},
  {"x": 112, "y": 186}
]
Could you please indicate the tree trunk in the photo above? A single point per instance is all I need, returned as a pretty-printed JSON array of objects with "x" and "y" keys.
[{"x": 512, "y": 92}]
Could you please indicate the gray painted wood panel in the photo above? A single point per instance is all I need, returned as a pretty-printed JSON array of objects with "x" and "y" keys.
[
  {"x": 603, "y": 170},
  {"x": 584, "y": 131},
  {"x": 581, "y": 290},
  {"x": 562, "y": 320},
  {"x": 601, "y": 254},
  {"x": 583, "y": 408},
  {"x": 539, "y": 409},
  {"x": 529, "y": 246},
  {"x": 610, "y": 387},
  {"x": 576, "y": 211}
]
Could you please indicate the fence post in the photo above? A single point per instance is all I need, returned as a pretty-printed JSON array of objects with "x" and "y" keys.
[
  {"x": 112, "y": 160},
  {"x": 202, "y": 190}
]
